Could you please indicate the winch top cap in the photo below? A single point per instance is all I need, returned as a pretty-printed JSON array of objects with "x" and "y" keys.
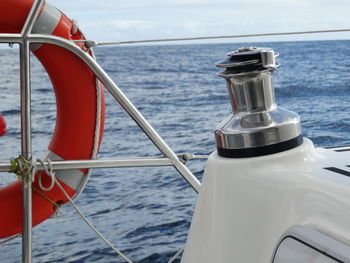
[{"x": 248, "y": 59}]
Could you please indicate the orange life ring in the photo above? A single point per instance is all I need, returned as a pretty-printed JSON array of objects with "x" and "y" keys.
[
  {"x": 2, "y": 125},
  {"x": 80, "y": 113}
]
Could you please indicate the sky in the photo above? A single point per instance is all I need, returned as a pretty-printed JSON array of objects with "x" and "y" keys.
[{"x": 122, "y": 20}]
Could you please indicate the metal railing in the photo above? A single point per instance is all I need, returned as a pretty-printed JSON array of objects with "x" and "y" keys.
[{"x": 25, "y": 39}]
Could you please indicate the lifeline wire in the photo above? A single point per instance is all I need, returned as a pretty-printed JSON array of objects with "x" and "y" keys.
[{"x": 91, "y": 43}]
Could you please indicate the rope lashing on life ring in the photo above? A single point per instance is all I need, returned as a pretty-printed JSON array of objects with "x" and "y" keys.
[
  {"x": 79, "y": 121},
  {"x": 22, "y": 166}
]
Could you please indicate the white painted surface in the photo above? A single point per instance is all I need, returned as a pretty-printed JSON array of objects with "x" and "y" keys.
[{"x": 245, "y": 205}]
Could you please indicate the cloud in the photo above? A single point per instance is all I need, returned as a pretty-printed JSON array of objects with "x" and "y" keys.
[
  {"x": 140, "y": 19},
  {"x": 132, "y": 24}
]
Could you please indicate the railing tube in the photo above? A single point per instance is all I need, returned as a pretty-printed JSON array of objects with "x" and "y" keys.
[
  {"x": 98, "y": 163},
  {"x": 26, "y": 145},
  {"x": 123, "y": 101},
  {"x": 26, "y": 141}
]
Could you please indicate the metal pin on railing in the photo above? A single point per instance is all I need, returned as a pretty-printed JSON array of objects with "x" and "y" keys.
[{"x": 184, "y": 157}]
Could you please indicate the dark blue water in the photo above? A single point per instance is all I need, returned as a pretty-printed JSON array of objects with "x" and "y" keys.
[{"x": 146, "y": 212}]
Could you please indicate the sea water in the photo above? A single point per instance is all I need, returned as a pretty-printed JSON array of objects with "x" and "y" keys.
[{"x": 146, "y": 212}]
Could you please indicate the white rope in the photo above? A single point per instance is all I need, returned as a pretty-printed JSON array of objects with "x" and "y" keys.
[
  {"x": 29, "y": 166},
  {"x": 97, "y": 132},
  {"x": 97, "y": 124},
  {"x": 75, "y": 27},
  {"x": 9, "y": 239},
  {"x": 116, "y": 250},
  {"x": 176, "y": 255},
  {"x": 94, "y": 155},
  {"x": 98, "y": 114},
  {"x": 23, "y": 165},
  {"x": 49, "y": 171}
]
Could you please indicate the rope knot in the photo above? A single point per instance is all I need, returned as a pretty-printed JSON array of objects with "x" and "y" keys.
[
  {"x": 22, "y": 166},
  {"x": 75, "y": 27}
]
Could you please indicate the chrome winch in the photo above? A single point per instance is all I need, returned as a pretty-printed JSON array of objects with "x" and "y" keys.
[{"x": 256, "y": 126}]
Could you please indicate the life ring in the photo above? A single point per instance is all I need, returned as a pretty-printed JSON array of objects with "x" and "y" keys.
[
  {"x": 2, "y": 125},
  {"x": 80, "y": 114}
]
